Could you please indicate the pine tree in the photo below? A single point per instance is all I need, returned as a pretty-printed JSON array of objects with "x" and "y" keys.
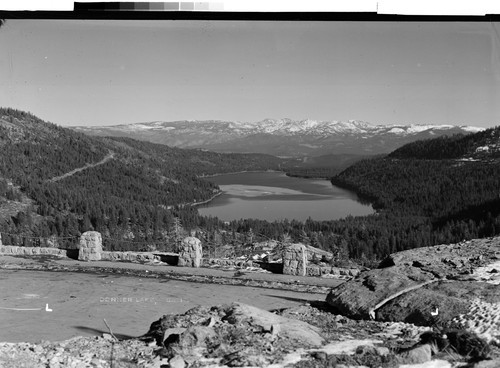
[
  {"x": 250, "y": 236},
  {"x": 177, "y": 232}
]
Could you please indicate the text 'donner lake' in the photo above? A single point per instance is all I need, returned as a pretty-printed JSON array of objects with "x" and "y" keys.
[{"x": 275, "y": 196}]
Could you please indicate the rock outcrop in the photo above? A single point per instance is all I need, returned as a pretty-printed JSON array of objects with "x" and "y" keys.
[
  {"x": 190, "y": 252},
  {"x": 90, "y": 247},
  {"x": 450, "y": 260},
  {"x": 438, "y": 303},
  {"x": 287, "y": 328},
  {"x": 359, "y": 297},
  {"x": 295, "y": 260},
  {"x": 238, "y": 332},
  {"x": 431, "y": 286}
]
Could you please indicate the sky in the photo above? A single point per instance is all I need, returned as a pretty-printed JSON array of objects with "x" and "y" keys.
[{"x": 91, "y": 72}]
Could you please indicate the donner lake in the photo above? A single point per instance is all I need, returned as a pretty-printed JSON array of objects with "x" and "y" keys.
[{"x": 275, "y": 196}]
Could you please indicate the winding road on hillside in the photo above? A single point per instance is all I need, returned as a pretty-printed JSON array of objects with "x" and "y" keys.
[{"x": 108, "y": 157}]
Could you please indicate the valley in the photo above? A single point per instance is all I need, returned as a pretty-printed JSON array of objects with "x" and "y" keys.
[
  {"x": 147, "y": 197},
  {"x": 149, "y": 194}
]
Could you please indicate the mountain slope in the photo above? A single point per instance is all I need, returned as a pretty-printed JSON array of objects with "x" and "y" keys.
[
  {"x": 283, "y": 137},
  {"x": 442, "y": 190},
  {"x": 124, "y": 188},
  {"x": 482, "y": 145}
]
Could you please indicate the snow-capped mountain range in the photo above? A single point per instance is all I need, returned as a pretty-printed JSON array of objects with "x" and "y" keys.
[{"x": 280, "y": 137}]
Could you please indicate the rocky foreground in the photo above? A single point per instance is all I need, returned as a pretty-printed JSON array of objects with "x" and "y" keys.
[{"x": 428, "y": 307}]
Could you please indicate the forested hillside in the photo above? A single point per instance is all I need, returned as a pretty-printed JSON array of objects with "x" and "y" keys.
[
  {"x": 425, "y": 197},
  {"x": 482, "y": 145},
  {"x": 426, "y": 193},
  {"x": 126, "y": 189},
  {"x": 56, "y": 183}
]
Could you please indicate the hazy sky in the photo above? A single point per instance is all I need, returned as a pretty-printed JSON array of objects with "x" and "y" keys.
[{"x": 116, "y": 72}]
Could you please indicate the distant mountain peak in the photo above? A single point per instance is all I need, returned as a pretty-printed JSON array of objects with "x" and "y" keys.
[{"x": 283, "y": 136}]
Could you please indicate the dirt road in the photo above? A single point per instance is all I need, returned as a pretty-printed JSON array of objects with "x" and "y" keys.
[{"x": 108, "y": 157}]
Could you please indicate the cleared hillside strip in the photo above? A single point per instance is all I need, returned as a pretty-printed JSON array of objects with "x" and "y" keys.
[{"x": 108, "y": 157}]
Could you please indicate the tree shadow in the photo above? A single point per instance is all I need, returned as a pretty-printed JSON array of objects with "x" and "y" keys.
[
  {"x": 319, "y": 304},
  {"x": 290, "y": 299},
  {"x": 98, "y": 332}
]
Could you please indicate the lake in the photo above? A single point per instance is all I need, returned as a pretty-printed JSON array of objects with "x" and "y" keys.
[{"x": 274, "y": 196}]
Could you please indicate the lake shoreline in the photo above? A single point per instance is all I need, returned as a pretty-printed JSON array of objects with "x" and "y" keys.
[
  {"x": 239, "y": 172},
  {"x": 194, "y": 204},
  {"x": 274, "y": 195}
]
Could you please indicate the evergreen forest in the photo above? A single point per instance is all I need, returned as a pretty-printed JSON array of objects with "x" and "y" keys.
[{"x": 56, "y": 184}]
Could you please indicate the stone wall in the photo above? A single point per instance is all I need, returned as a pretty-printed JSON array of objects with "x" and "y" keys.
[
  {"x": 28, "y": 251},
  {"x": 138, "y": 257},
  {"x": 190, "y": 252},
  {"x": 90, "y": 247},
  {"x": 317, "y": 270},
  {"x": 222, "y": 262},
  {"x": 316, "y": 253},
  {"x": 295, "y": 260}
]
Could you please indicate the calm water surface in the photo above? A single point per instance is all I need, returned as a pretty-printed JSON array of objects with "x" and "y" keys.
[{"x": 275, "y": 196}]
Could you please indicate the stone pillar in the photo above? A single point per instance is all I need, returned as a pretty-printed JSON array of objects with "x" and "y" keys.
[
  {"x": 90, "y": 246},
  {"x": 190, "y": 253},
  {"x": 295, "y": 260}
]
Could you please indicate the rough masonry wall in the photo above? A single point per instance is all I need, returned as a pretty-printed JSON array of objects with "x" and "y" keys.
[
  {"x": 90, "y": 246},
  {"x": 15, "y": 250},
  {"x": 139, "y": 257},
  {"x": 295, "y": 260},
  {"x": 190, "y": 252}
]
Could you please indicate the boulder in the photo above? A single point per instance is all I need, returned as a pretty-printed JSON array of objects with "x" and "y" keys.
[
  {"x": 190, "y": 253},
  {"x": 241, "y": 334},
  {"x": 412, "y": 294},
  {"x": 90, "y": 247},
  {"x": 306, "y": 334},
  {"x": 196, "y": 337},
  {"x": 494, "y": 363},
  {"x": 233, "y": 317},
  {"x": 351, "y": 347},
  {"x": 415, "y": 355},
  {"x": 359, "y": 297},
  {"x": 295, "y": 260},
  {"x": 410, "y": 285},
  {"x": 438, "y": 303},
  {"x": 177, "y": 362}
]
